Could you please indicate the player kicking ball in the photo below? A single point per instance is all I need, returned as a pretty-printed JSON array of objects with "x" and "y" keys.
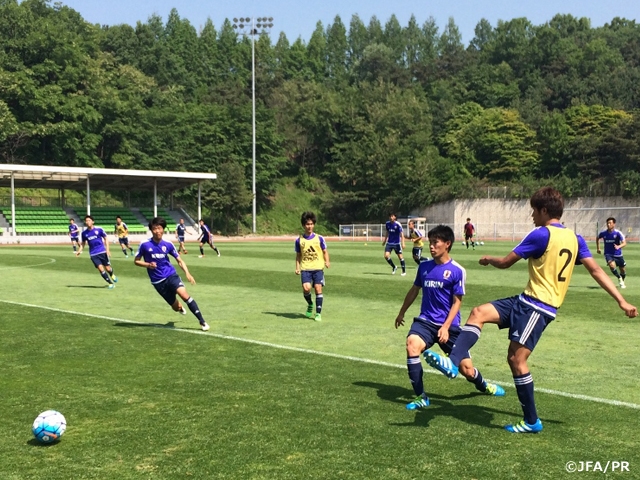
[{"x": 154, "y": 256}]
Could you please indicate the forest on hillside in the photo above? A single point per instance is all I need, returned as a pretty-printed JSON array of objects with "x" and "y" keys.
[{"x": 370, "y": 114}]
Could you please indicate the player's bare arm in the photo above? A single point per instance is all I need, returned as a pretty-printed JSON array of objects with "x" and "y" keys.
[
  {"x": 298, "y": 260},
  {"x": 184, "y": 268},
  {"x": 500, "y": 262},
  {"x": 81, "y": 248},
  {"x": 141, "y": 263},
  {"x": 411, "y": 296},
  {"x": 325, "y": 253},
  {"x": 607, "y": 285},
  {"x": 443, "y": 331}
]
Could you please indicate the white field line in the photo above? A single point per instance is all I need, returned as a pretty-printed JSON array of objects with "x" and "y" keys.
[
  {"x": 559, "y": 393},
  {"x": 51, "y": 260}
]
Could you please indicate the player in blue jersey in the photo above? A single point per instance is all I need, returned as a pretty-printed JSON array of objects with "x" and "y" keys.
[
  {"x": 206, "y": 238},
  {"x": 614, "y": 242},
  {"x": 154, "y": 256},
  {"x": 181, "y": 231},
  {"x": 394, "y": 242},
  {"x": 98, "y": 250},
  {"x": 442, "y": 281},
  {"x": 74, "y": 233},
  {"x": 312, "y": 257},
  {"x": 552, "y": 252}
]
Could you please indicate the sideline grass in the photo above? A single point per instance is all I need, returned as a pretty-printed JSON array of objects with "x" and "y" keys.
[{"x": 156, "y": 403}]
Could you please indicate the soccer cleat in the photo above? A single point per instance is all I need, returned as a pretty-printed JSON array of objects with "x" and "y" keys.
[
  {"x": 114, "y": 278},
  {"x": 111, "y": 286},
  {"x": 622, "y": 285},
  {"x": 200, "y": 256},
  {"x": 126, "y": 256},
  {"x": 441, "y": 363},
  {"x": 218, "y": 252},
  {"x": 421, "y": 401},
  {"x": 495, "y": 390},
  {"x": 182, "y": 311},
  {"x": 204, "y": 326},
  {"x": 309, "y": 312},
  {"x": 403, "y": 274},
  {"x": 318, "y": 317},
  {"x": 393, "y": 272},
  {"x": 524, "y": 427}
]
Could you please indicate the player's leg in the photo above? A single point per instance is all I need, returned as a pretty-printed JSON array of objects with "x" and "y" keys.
[
  {"x": 612, "y": 266},
  {"x": 415, "y": 346},
  {"x": 387, "y": 257},
  {"x": 517, "y": 358},
  {"x": 103, "y": 273},
  {"x": 623, "y": 270},
  {"x": 318, "y": 282},
  {"x": 214, "y": 247},
  {"x": 123, "y": 246},
  {"x": 201, "y": 248},
  {"x": 401, "y": 258},
  {"x": 306, "y": 292},
  {"x": 181, "y": 291},
  {"x": 469, "y": 335}
]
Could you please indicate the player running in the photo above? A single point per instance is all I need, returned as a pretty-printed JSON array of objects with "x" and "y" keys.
[
  {"x": 122, "y": 231},
  {"x": 206, "y": 238},
  {"x": 394, "y": 242},
  {"x": 74, "y": 233},
  {"x": 98, "y": 250},
  {"x": 181, "y": 231},
  {"x": 417, "y": 237},
  {"x": 614, "y": 242}
]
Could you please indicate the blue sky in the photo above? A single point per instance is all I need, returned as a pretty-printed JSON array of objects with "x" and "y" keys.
[{"x": 298, "y": 18}]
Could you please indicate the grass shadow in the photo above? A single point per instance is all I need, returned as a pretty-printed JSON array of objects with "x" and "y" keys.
[
  {"x": 142, "y": 324},
  {"x": 290, "y": 316},
  {"x": 36, "y": 443},
  {"x": 87, "y": 286}
]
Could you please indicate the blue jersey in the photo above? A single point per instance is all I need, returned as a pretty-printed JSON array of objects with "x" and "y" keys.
[
  {"x": 181, "y": 229},
  {"x": 205, "y": 230},
  {"x": 440, "y": 283},
  {"x": 394, "y": 232},
  {"x": 150, "y": 251},
  {"x": 534, "y": 245},
  {"x": 94, "y": 238},
  {"x": 73, "y": 230},
  {"x": 610, "y": 239}
]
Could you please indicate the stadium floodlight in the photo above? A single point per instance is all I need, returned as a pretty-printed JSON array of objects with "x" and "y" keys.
[{"x": 240, "y": 24}]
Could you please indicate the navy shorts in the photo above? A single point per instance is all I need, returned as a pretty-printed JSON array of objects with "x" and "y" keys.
[
  {"x": 428, "y": 332},
  {"x": 619, "y": 259},
  {"x": 181, "y": 238},
  {"x": 207, "y": 239},
  {"x": 75, "y": 239},
  {"x": 314, "y": 277},
  {"x": 524, "y": 322},
  {"x": 169, "y": 287},
  {"x": 468, "y": 237},
  {"x": 100, "y": 259},
  {"x": 393, "y": 247},
  {"x": 124, "y": 240},
  {"x": 416, "y": 252}
]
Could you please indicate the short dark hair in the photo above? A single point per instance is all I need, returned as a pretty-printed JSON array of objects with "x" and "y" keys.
[
  {"x": 549, "y": 198},
  {"x": 468, "y": 219},
  {"x": 444, "y": 233},
  {"x": 306, "y": 216},
  {"x": 89, "y": 216},
  {"x": 118, "y": 217},
  {"x": 201, "y": 220},
  {"x": 393, "y": 214},
  {"x": 157, "y": 221},
  {"x": 611, "y": 218}
]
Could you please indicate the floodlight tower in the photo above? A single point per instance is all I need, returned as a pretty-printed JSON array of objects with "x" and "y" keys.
[{"x": 253, "y": 26}]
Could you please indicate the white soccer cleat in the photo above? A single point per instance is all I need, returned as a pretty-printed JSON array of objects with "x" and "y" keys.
[
  {"x": 403, "y": 274},
  {"x": 205, "y": 327},
  {"x": 622, "y": 285},
  {"x": 200, "y": 256}
]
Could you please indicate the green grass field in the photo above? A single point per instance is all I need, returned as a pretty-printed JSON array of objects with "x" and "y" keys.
[{"x": 269, "y": 394}]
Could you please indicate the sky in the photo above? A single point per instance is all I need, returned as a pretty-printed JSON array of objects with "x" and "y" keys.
[{"x": 299, "y": 18}]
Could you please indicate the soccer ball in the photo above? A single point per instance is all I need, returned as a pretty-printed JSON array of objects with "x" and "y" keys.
[
  {"x": 49, "y": 426},
  {"x": 481, "y": 243},
  {"x": 463, "y": 243}
]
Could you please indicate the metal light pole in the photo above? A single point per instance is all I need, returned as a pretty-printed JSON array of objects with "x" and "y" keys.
[{"x": 264, "y": 24}]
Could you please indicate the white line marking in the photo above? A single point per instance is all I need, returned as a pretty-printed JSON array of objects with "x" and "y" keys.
[
  {"x": 51, "y": 260},
  {"x": 576, "y": 396}
]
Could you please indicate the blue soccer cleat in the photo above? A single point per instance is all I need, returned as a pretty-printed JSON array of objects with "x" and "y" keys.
[
  {"x": 421, "y": 401},
  {"x": 524, "y": 427},
  {"x": 111, "y": 286},
  {"x": 441, "y": 363},
  {"x": 114, "y": 278},
  {"x": 495, "y": 390}
]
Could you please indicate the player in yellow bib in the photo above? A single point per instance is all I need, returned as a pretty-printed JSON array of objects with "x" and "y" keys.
[
  {"x": 417, "y": 237},
  {"x": 552, "y": 252},
  {"x": 121, "y": 230},
  {"x": 311, "y": 259}
]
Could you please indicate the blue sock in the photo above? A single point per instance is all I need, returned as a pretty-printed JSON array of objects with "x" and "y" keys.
[
  {"x": 414, "y": 366},
  {"x": 106, "y": 277},
  {"x": 524, "y": 387},
  {"x": 390, "y": 262},
  {"x": 468, "y": 337},
  {"x": 215, "y": 249},
  {"x": 307, "y": 297},
  {"x": 112, "y": 273},
  {"x": 319, "y": 299},
  {"x": 201, "y": 251},
  {"x": 478, "y": 381},
  {"x": 623, "y": 275},
  {"x": 193, "y": 306},
  {"x": 74, "y": 248},
  {"x": 403, "y": 265},
  {"x": 615, "y": 272}
]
